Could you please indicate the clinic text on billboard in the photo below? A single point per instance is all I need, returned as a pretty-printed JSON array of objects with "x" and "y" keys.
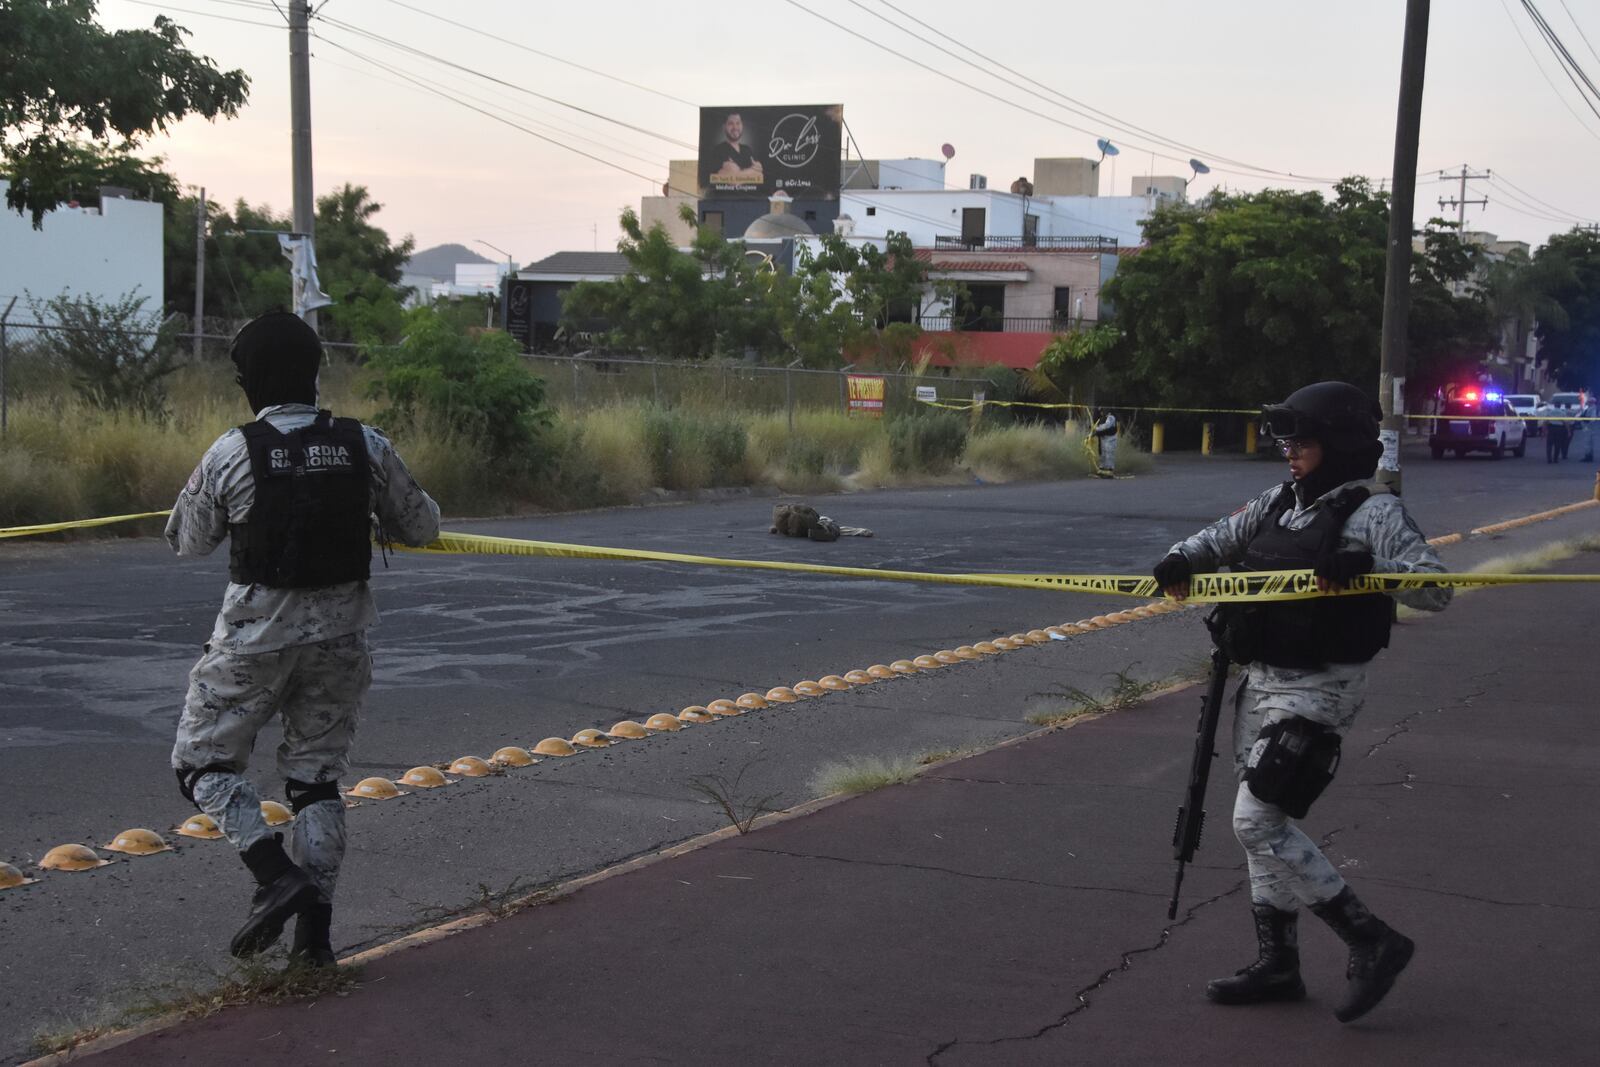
[{"x": 753, "y": 152}]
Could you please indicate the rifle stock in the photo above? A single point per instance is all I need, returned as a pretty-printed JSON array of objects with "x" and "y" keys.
[{"x": 1192, "y": 814}]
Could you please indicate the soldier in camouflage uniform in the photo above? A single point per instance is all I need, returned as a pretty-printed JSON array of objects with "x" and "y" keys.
[
  {"x": 1307, "y": 674},
  {"x": 295, "y": 491}
]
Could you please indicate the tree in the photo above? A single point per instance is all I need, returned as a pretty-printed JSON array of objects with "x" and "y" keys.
[
  {"x": 1243, "y": 298},
  {"x": 1569, "y": 344},
  {"x": 117, "y": 354},
  {"x": 858, "y": 299},
  {"x": 712, "y": 300},
  {"x": 63, "y": 77},
  {"x": 1451, "y": 326}
]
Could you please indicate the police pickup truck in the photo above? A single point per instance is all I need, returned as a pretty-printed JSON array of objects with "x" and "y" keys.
[{"x": 1477, "y": 422}]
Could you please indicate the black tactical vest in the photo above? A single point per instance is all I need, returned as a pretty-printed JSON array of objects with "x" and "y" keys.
[
  {"x": 1310, "y": 633},
  {"x": 310, "y": 523}
]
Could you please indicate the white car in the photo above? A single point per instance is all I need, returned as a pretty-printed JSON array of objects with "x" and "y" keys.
[
  {"x": 1526, "y": 405},
  {"x": 1479, "y": 426}
]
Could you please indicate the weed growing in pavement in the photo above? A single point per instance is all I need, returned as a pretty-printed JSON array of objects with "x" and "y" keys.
[
  {"x": 863, "y": 774},
  {"x": 941, "y": 754},
  {"x": 741, "y": 811},
  {"x": 196, "y": 992},
  {"x": 1125, "y": 692},
  {"x": 1528, "y": 562}
]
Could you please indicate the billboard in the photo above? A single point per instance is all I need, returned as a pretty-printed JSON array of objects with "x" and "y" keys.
[{"x": 749, "y": 153}]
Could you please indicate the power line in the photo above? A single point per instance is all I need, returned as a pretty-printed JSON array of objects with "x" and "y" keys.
[
  {"x": 534, "y": 51},
  {"x": 205, "y": 14},
  {"x": 1515, "y": 26},
  {"x": 423, "y": 54},
  {"x": 1004, "y": 100},
  {"x": 1564, "y": 60},
  {"x": 1077, "y": 107},
  {"x": 1500, "y": 177},
  {"x": 1576, "y": 26}
]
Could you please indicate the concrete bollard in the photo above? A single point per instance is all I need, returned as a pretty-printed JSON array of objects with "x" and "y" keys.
[
  {"x": 1250, "y": 438},
  {"x": 1207, "y": 432},
  {"x": 1158, "y": 441}
]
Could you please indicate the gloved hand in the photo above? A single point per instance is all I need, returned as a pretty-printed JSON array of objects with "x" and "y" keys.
[
  {"x": 1336, "y": 569},
  {"x": 1173, "y": 573}
]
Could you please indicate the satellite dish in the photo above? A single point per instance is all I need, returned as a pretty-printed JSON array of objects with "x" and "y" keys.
[
  {"x": 1199, "y": 167},
  {"x": 1107, "y": 148},
  {"x": 949, "y": 151}
]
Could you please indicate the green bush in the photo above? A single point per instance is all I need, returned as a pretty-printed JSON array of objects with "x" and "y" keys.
[
  {"x": 475, "y": 382},
  {"x": 928, "y": 443}
]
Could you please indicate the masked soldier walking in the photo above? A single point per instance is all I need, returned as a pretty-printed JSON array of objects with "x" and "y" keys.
[
  {"x": 295, "y": 492},
  {"x": 1307, "y": 677}
]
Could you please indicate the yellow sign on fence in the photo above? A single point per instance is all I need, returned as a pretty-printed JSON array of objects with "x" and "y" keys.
[{"x": 865, "y": 395}]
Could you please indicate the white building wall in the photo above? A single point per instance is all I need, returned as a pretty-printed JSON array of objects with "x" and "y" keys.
[
  {"x": 925, "y": 215},
  {"x": 102, "y": 254}
]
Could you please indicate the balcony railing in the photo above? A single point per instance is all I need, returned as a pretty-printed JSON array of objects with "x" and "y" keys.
[
  {"x": 1025, "y": 243},
  {"x": 1001, "y": 324}
]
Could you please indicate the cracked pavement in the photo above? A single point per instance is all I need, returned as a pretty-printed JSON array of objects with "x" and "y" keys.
[
  {"x": 1009, "y": 908},
  {"x": 1007, "y": 903}
]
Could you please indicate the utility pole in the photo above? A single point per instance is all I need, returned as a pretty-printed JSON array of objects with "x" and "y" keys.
[
  {"x": 305, "y": 219},
  {"x": 1460, "y": 202},
  {"x": 199, "y": 273},
  {"x": 1397, "y": 275}
]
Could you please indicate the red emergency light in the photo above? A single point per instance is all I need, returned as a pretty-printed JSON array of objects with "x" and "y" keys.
[{"x": 1470, "y": 394}]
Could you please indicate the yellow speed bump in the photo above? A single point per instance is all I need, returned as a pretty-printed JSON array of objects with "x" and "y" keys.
[
  {"x": 968, "y": 652},
  {"x": 987, "y": 648},
  {"x": 926, "y": 663},
  {"x": 1005, "y": 644},
  {"x": 627, "y": 730},
  {"x": 275, "y": 813},
  {"x": 1100, "y": 622},
  {"x": 201, "y": 827},
  {"x": 696, "y": 713},
  {"x": 375, "y": 789},
  {"x": 555, "y": 746},
  {"x": 662, "y": 723},
  {"x": 591, "y": 738},
  {"x": 138, "y": 842},
  {"x": 781, "y": 695},
  {"x": 947, "y": 657},
  {"x": 861, "y": 677},
  {"x": 72, "y": 858},
  {"x": 471, "y": 767},
  {"x": 425, "y": 778},
  {"x": 11, "y": 877},
  {"x": 724, "y": 707},
  {"x": 1036, "y": 637},
  {"x": 809, "y": 689},
  {"x": 513, "y": 756},
  {"x": 883, "y": 672},
  {"x": 833, "y": 683},
  {"x": 1074, "y": 628},
  {"x": 751, "y": 701}
]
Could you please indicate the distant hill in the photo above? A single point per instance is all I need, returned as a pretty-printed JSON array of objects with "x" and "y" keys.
[{"x": 440, "y": 261}]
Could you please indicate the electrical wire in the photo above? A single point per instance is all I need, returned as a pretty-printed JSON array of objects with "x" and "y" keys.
[
  {"x": 1564, "y": 59},
  {"x": 1496, "y": 175},
  {"x": 204, "y": 14},
  {"x": 1014, "y": 104},
  {"x": 1515, "y": 26},
  {"x": 534, "y": 51},
  {"x": 1581, "y": 34}
]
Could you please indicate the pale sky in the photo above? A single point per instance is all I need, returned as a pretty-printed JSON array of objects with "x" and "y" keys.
[{"x": 1285, "y": 85}]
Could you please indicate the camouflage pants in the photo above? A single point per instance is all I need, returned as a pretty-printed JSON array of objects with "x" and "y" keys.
[
  {"x": 317, "y": 691},
  {"x": 1286, "y": 867},
  {"x": 1108, "y": 452}
]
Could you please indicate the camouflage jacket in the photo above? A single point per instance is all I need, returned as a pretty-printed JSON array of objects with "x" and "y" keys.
[{"x": 259, "y": 618}]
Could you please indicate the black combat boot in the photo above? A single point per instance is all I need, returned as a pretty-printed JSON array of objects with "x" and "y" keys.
[
  {"x": 283, "y": 890},
  {"x": 1275, "y": 975},
  {"x": 1378, "y": 953},
  {"x": 313, "y": 939}
]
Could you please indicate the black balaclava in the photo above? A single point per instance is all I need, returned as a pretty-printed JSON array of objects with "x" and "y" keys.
[
  {"x": 277, "y": 356},
  {"x": 1343, "y": 420},
  {"x": 1336, "y": 468}
]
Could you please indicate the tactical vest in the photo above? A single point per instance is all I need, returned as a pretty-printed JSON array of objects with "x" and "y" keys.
[
  {"x": 310, "y": 523},
  {"x": 1309, "y": 633}
]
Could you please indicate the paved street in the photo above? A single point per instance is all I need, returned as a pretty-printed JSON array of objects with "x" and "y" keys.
[{"x": 474, "y": 653}]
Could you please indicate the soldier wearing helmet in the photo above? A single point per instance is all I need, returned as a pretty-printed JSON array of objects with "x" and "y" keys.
[
  {"x": 1306, "y": 678},
  {"x": 295, "y": 492}
]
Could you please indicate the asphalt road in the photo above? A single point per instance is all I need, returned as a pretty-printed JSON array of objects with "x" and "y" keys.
[{"x": 473, "y": 653}]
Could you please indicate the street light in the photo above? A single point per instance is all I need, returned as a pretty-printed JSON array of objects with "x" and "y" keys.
[{"x": 510, "y": 269}]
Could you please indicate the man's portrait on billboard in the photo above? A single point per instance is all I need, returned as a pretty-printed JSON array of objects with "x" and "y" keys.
[{"x": 731, "y": 161}]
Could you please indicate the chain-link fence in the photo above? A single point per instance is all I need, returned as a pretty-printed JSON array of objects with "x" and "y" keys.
[{"x": 44, "y": 365}]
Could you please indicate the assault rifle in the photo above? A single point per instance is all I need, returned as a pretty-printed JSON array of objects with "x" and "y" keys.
[{"x": 1192, "y": 815}]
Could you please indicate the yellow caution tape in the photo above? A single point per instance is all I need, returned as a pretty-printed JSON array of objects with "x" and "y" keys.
[
  {"x": 968, "y": 405},
  {"x": 1204, "y": 588},
  {"x": 78, "y": 524}
]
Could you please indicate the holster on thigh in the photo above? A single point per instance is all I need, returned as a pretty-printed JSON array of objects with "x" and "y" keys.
[{"x": 1291, "y": 763}]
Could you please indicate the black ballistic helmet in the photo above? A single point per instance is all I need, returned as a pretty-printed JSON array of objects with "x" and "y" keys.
[{"x": 1339, "y": 416}]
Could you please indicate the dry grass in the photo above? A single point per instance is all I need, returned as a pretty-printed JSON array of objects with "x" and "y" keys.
[{"x": 863, "y": 774}]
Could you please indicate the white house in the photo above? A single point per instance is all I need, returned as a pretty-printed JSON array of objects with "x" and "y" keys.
[{"x": 102, "y": 253}]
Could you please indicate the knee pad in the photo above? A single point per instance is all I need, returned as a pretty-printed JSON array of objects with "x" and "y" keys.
[
  {"x": 188, "y": 776},
  {"x": 304, "y": 794},
  {"x": 1291, "y": 763}
]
